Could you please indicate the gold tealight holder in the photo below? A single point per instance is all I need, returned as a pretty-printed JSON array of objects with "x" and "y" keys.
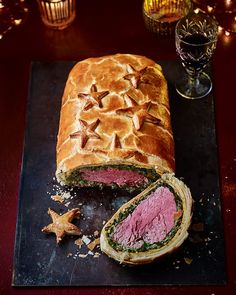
[
  {"x": 161, "y": 16},
  {"x": 57, "y": 14}
]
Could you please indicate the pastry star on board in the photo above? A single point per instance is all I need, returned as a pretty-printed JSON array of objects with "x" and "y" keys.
[
  {"x": 139, "y": 113},
  {"x": 61, "y": 224},
  {"x": 93, "y": 98},
  {"x": 87, "y": 131},
  {"x": 134, "y": 76}
]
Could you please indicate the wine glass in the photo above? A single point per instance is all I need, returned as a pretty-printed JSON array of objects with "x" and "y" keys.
[{"x": 196, "y": 38}]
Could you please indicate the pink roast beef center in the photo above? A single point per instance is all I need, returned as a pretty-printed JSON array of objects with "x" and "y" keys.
[
  {"x": 113, "y": 175},
  {"x": 150, "y": 222}
]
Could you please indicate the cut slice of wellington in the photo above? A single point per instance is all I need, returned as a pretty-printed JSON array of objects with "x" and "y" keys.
[
  {"x": 115, "y": 127},
  {"x": 150, "y": 225}
]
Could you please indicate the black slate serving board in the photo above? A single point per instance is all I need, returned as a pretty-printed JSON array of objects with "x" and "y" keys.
[{"x": 39, "y": 261}]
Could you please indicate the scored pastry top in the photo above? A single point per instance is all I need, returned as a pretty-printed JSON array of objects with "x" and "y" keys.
[{"x": 115, "y": 109}]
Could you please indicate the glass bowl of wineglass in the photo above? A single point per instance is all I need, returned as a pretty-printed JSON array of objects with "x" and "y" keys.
[{"x": 195, "y": 39}]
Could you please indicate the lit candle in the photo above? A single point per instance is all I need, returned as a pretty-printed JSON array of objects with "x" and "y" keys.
[
  {"x": 228, "y": 3},
  {"x": 57, "y": 14},
  {"x": 209, "y": 8},
  {"x": 226, "y": 38},
  {"x": 224, "y": 35}
]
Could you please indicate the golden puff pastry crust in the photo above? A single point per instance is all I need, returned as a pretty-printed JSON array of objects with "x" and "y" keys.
[{"x": 115, "y": 110}]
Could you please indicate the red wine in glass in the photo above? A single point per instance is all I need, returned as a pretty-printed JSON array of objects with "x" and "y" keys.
[
  {"x": 196, "y": 36},
  {"x": 194, "y": 51}
]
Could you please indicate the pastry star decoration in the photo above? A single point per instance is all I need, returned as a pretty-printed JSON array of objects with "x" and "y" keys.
[
  {"x": 138, "y": 112},
  {"x": 93, "y": 98},
  {"x": 115, "y": 149},
  {"x": 86, "y": 131},
  {"x": 134, "y": 76},
  {"x": 61, "y": 224},
  {"x": 115, "y": 142}
]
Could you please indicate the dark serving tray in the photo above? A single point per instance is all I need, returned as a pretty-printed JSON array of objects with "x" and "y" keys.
[{"x": 39, "y": 261}]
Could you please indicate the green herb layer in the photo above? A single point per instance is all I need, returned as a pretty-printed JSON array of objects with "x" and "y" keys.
[{"x": 76, "y": 177}]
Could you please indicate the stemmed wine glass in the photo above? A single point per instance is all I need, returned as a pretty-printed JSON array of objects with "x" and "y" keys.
[{"x": 195, "y": 38}]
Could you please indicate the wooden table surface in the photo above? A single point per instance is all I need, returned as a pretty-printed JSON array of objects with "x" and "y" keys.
[{"x": 103, "y": 27}]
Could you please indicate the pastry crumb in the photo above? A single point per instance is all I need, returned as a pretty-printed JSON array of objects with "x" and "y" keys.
[
  {"x": 57, "y": 198},
  {"x": 86, "y": 240},
  {"x": 93, "y": 244},
  {"x": 96, "y": 255},
  {"x": 83, "y": 255},
  {"x": 66, "y": 195},
  {"x": 188, "y": 260},
  {"x": 67, "y": 204},
  {"x": 79, "y": 242},
  {"x": 96, "y": 233}
]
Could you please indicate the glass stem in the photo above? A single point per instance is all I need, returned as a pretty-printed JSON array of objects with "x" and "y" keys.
[
  {"x": 193, "y": 82},
  {"x": 193, "y": 79}
]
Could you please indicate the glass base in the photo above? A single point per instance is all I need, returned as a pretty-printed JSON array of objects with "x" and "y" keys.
[{"x": 199, "y": 90}]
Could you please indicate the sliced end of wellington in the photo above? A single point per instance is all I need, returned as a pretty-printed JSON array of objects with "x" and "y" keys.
[{"x": 151, "y": 225}]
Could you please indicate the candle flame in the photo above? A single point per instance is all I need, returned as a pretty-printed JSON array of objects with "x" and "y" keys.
[{"x": 209, "y": 8}]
